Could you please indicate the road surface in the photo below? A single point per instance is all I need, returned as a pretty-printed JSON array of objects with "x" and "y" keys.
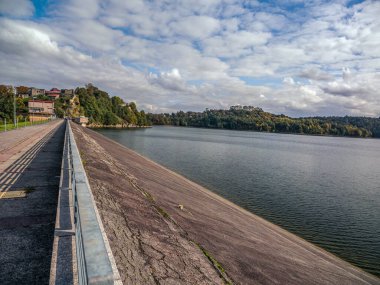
[{"x": 29, "y": 172}]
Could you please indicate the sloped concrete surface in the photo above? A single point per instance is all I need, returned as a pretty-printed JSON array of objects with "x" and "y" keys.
[{"x": 153, "y": 239}]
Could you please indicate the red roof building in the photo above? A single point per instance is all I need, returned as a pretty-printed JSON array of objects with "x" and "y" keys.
[{"x": 54, "y": 93}]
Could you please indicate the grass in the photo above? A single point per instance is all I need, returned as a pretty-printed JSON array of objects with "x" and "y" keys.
[
  {"x": 82, "y": 156},
  {"x": 149, "y": 196},
  {"x": 11, "y": 126},
  {"x": 163, "y": 212},
  {"x": 216, "y": 264}
]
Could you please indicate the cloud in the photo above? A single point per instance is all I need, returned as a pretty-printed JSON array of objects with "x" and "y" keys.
[
  {"x": 319, "y": 58},
  {"x": 171, "y": 80},
  {"x": 21, "y": 39},
  {"x": 315, "y": 74},
  {"x": 289, "y": 81},
  {"x": 89, "y": 35},
  {"x": 17, "y": 8},
  {"x": 235, "y": 44},
  {"x": 353, "y": 85},
  {"x": 195, "y": 27},
  {"x": 84, "y": 9}
]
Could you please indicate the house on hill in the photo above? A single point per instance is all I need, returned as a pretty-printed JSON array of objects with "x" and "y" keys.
[
  {"x": 53, "y": 94},
  {"x": 67, "y": 92},
  {"x": 82, "y": 120},
  {"x": 40, "y": 110},
  {"x": 33, "y": 92}
]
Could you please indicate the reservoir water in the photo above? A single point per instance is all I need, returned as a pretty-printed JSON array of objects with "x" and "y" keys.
[{"x": 324, "y": 189}]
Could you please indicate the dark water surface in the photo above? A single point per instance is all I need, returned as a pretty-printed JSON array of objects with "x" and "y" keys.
[{"x": 324, "y": 189}]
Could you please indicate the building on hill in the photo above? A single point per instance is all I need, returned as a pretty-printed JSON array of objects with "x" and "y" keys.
[
  {"x": 40, "y": 110},
  {"x": 82, "y": 120},
  {"x": 33, "y": 92},
  {"x": 67, "y": 92},
  {"x": 53, "y": 94},
  {"x": 236, "y": 107},
  {"x": 23, "y": 95}
]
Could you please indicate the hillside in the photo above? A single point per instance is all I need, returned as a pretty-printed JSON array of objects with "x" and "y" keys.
[
  {"x": 256, "y": 119},
  {"x": 101, "y": 109},
  {"x": 89, "y": 101}
]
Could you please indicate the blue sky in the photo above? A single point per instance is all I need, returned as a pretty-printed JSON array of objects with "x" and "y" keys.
[{"x": 294, "y": 57}]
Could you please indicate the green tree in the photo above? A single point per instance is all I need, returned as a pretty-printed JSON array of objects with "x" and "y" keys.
[
  {"x": 6, "y": 103},
  {"x": 256, "y": 119},
  {"x": 103, "y": 109}
]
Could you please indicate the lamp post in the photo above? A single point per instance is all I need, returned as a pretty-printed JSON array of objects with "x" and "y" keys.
[
  {"x": 14, "y": 106},
  {"x": 32, "y": 113}
]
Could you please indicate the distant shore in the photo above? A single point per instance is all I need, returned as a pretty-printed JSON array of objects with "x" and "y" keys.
[
  {"x": 266, "y": 132},
  {"x": 120, "y": 126}
]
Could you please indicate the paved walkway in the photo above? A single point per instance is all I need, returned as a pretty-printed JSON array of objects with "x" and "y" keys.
[
  {"x": 30, "y": 162},
  {"x": 14, "y": 143}
]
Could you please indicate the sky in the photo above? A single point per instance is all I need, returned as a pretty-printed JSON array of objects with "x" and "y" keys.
[{"x": 299, "y": 58}]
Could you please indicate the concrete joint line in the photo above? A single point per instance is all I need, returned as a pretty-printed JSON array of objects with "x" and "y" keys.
[{"x": 63, "y": 233}]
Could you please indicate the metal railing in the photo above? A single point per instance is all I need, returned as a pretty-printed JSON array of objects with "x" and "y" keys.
[
  {"x": 93, "y": 263},
  {"x": 81, "y": 253}
]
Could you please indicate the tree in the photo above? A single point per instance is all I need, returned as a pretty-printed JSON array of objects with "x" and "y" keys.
[
  {"x": 22, "y": 90},
  {"x": 110, "y": 119},
  {"x": 105, "y": 110},
  {"x": 6, "y": 102},
  {"x": 131, "y": 117}
]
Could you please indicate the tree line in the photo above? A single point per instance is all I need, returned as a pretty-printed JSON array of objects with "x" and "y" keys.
[
  {"x": 256, "y": 119},
  {"x": 101, "y": 109}
]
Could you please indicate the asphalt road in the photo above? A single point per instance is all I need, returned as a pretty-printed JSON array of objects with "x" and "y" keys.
[{"x": 27, "y": 224}]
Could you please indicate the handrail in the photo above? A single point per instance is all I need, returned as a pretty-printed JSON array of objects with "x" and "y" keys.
[{"x": 94, "y": 266}]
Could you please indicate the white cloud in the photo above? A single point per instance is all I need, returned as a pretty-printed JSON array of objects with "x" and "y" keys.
[
  {"x": 170, "y": 80},
  {"x": 174, "y": 73},
  {"x": 365, "y": 86},
  {"x": 198, "y": 50},
  {"x": 18, "y": 8},
  {"x": 18, "y": 38},
  {"x": 89, "y": 35},
  {"x": 289, "y": 81},
  {"x": 315, "y": 74},
  {"x": 84, "y": 9},
  {"x": 234, "y": 44},
  {"x": 195, "y": 27}
]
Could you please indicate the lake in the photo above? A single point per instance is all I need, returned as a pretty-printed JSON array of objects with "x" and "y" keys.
[{"x": 324, "y": 189}]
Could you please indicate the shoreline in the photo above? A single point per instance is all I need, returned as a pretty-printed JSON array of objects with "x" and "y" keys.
[
  {"x": 130, "y": 127},
  {"x": 311, "y": 255},
  {"x": 265, "y": 132}
]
